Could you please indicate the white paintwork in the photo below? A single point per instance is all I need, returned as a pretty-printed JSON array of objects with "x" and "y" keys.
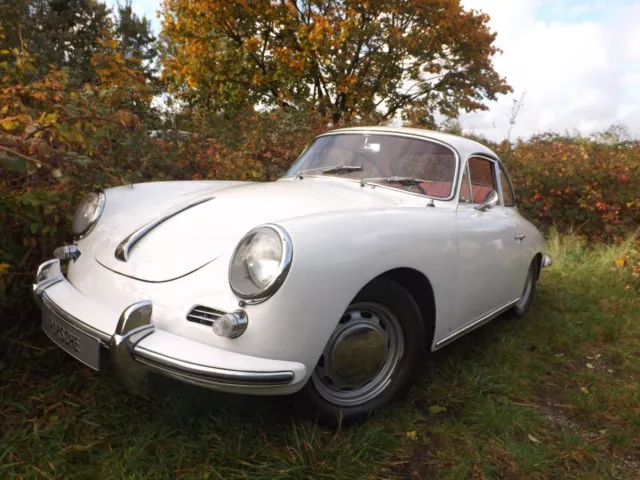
[{"x": 343, "y": 235}]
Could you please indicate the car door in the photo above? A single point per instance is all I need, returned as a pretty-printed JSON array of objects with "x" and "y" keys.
[
  {"x": 521, "y": 260},
  {"x": 488, "y": 263}
]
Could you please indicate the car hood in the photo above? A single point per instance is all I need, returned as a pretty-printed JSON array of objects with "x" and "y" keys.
[{"x": 205, "y": 231}]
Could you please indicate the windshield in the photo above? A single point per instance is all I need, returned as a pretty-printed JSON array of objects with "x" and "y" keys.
[{"x": 383, "y": 159}]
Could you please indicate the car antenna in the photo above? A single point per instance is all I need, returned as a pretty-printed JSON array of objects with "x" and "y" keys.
[{"x": 431, "y": 203}]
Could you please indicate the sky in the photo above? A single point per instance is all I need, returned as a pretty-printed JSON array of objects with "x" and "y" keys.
[{"x": 575, "y": 64}]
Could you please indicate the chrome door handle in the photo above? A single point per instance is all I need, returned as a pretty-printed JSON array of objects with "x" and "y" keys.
[{"x": 519, "y": 236}]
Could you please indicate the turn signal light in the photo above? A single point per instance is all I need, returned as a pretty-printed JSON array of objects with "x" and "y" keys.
[{"x": 231, "y": 325}]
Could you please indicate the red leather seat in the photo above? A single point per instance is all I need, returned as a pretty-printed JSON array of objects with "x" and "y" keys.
[
  {"x": 479, "y": 192},
  {"x": 437, "y": 189}
]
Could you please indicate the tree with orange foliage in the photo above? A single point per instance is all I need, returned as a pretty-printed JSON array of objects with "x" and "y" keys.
[{"x": 343, "y": 58}]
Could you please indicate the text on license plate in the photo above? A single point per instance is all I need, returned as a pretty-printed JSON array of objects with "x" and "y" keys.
[{"x": 74, "y": 341}]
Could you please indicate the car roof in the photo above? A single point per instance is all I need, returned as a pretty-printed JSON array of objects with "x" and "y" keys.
[{"x": 464, "y": 146}]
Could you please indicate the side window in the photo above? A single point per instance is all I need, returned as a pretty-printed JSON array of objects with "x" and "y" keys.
[
  {"x": 480, "y": 178},
  {"x": 507, "y": 188}
]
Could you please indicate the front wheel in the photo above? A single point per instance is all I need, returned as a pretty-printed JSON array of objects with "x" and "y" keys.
[{"x": 371, "y": 357}]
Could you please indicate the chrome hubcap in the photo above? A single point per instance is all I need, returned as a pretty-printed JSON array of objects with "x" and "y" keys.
[
  {"x": 361, "y": 356},
  {"x": 528, "y": 287}
]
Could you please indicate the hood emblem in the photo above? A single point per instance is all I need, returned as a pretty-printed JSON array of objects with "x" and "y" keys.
[{"x": 122, "y": 250}]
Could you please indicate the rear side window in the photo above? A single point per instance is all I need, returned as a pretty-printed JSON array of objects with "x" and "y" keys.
[
  {"x": 507, "y": 188},
  {"x": 478, "y": 180}
]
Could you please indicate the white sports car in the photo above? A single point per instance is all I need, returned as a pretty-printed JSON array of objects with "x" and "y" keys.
[{"x": 378, "y": 245}]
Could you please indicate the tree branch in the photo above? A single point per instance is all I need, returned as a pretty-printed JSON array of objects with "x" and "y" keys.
[
  {"x": 238, "y": 39},
  {"x": 70, "y": 119},
  {"x": 33, "y": 160}
]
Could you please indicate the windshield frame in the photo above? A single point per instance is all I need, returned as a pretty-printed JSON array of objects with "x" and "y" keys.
[{"x": 424, "y": 138}]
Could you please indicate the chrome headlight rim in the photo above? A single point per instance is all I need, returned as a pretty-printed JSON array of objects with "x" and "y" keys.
[
  {"x": 283, "y": 267},
  {"x": 97, "y": 213}
]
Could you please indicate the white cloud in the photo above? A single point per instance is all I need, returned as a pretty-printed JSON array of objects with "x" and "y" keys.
[
  {"x": 579, "y": 64},
  {"x": 577, "y": 60}
]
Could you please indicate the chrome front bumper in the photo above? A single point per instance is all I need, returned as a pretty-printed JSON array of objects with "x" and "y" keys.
[{"x": 134, "y": 349}]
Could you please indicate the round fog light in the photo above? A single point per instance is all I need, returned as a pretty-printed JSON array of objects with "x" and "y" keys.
[{"x": 231, "y": 325}]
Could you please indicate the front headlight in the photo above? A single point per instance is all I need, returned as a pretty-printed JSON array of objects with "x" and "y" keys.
[
  {"x": 87, "y": 214},
  {"x": 260, "y": 263}
]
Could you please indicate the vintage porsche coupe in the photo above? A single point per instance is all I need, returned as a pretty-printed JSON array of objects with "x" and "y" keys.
[{"x": 378, "y": 245}]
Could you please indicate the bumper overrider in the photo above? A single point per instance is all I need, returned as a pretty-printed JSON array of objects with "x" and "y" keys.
[{"x": 136, "y": 346}]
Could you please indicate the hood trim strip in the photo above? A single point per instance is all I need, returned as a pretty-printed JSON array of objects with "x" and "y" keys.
[
  {"x": 157, "y": 281},
  {"x": 122, "y": 250}
]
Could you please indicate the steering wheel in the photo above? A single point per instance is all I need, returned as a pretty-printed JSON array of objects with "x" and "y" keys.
[{"x": 417, "y": 186}]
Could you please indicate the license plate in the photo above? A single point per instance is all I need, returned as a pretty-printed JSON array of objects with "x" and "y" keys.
[{"x": 75, "y": 342}]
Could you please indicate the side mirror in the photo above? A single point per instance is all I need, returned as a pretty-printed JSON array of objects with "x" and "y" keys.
[{"x": 490, "y": 201}]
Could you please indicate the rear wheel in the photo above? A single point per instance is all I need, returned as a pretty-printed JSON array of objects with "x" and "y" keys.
[
  {"x": 371, "y": 357},
  {"x": 521, "y": 307}
]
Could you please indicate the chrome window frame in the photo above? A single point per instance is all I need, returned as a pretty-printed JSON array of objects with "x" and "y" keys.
[
  {"x": 501, "y": 169},
  {"x": 496, "y": 177},
  {"x": 454, "y": 181},
  {"x": 465, "y": 170}
]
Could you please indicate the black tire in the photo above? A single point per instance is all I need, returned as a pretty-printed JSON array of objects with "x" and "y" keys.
[
  {"x": 528, "y": 292},
  {"x": 387, "y": 294}
]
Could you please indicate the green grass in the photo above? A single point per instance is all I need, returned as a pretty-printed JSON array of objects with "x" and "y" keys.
[{"x": 553, "y": 395}]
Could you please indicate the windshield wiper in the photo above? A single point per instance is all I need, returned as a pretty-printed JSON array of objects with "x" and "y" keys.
[
  {"x": 413, "y": 182},
  {"x": 401, "y": 180},
  {"x": 334, "y": 169}
]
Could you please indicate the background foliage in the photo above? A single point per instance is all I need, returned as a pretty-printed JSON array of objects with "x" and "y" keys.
[
  {"x": 342, "y": 58},
  {"x": 76, "y": 112},
  {"x": 557, "y": 393},
  {"x": 577, "y": 183}
]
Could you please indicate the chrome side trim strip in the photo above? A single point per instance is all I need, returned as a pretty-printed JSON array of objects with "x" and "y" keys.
[
  {"x": 122, "y": 250},
  {"x": 209, "y": 376},
  {"x": 472, "y": 326}
]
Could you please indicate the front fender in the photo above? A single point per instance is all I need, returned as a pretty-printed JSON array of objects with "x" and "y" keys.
[{"x": 335, "y": 255}]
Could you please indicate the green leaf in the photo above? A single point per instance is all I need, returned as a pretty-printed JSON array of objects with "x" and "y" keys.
[
  {"x": 435, "y": 409},
  {"x": 13, "y": 162},
  {"x": 9, "y": 124},
  {"x": 72, "y": 112},
  {"x": 82, "y": 160},
  {"x": 33, "y": 228},
  {"x": 29, "y": 198}
]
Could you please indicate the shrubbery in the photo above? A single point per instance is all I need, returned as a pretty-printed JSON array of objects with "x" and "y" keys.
[
  {"x": 57, "y": 142},
  {"x": 577, "y": 184}
]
